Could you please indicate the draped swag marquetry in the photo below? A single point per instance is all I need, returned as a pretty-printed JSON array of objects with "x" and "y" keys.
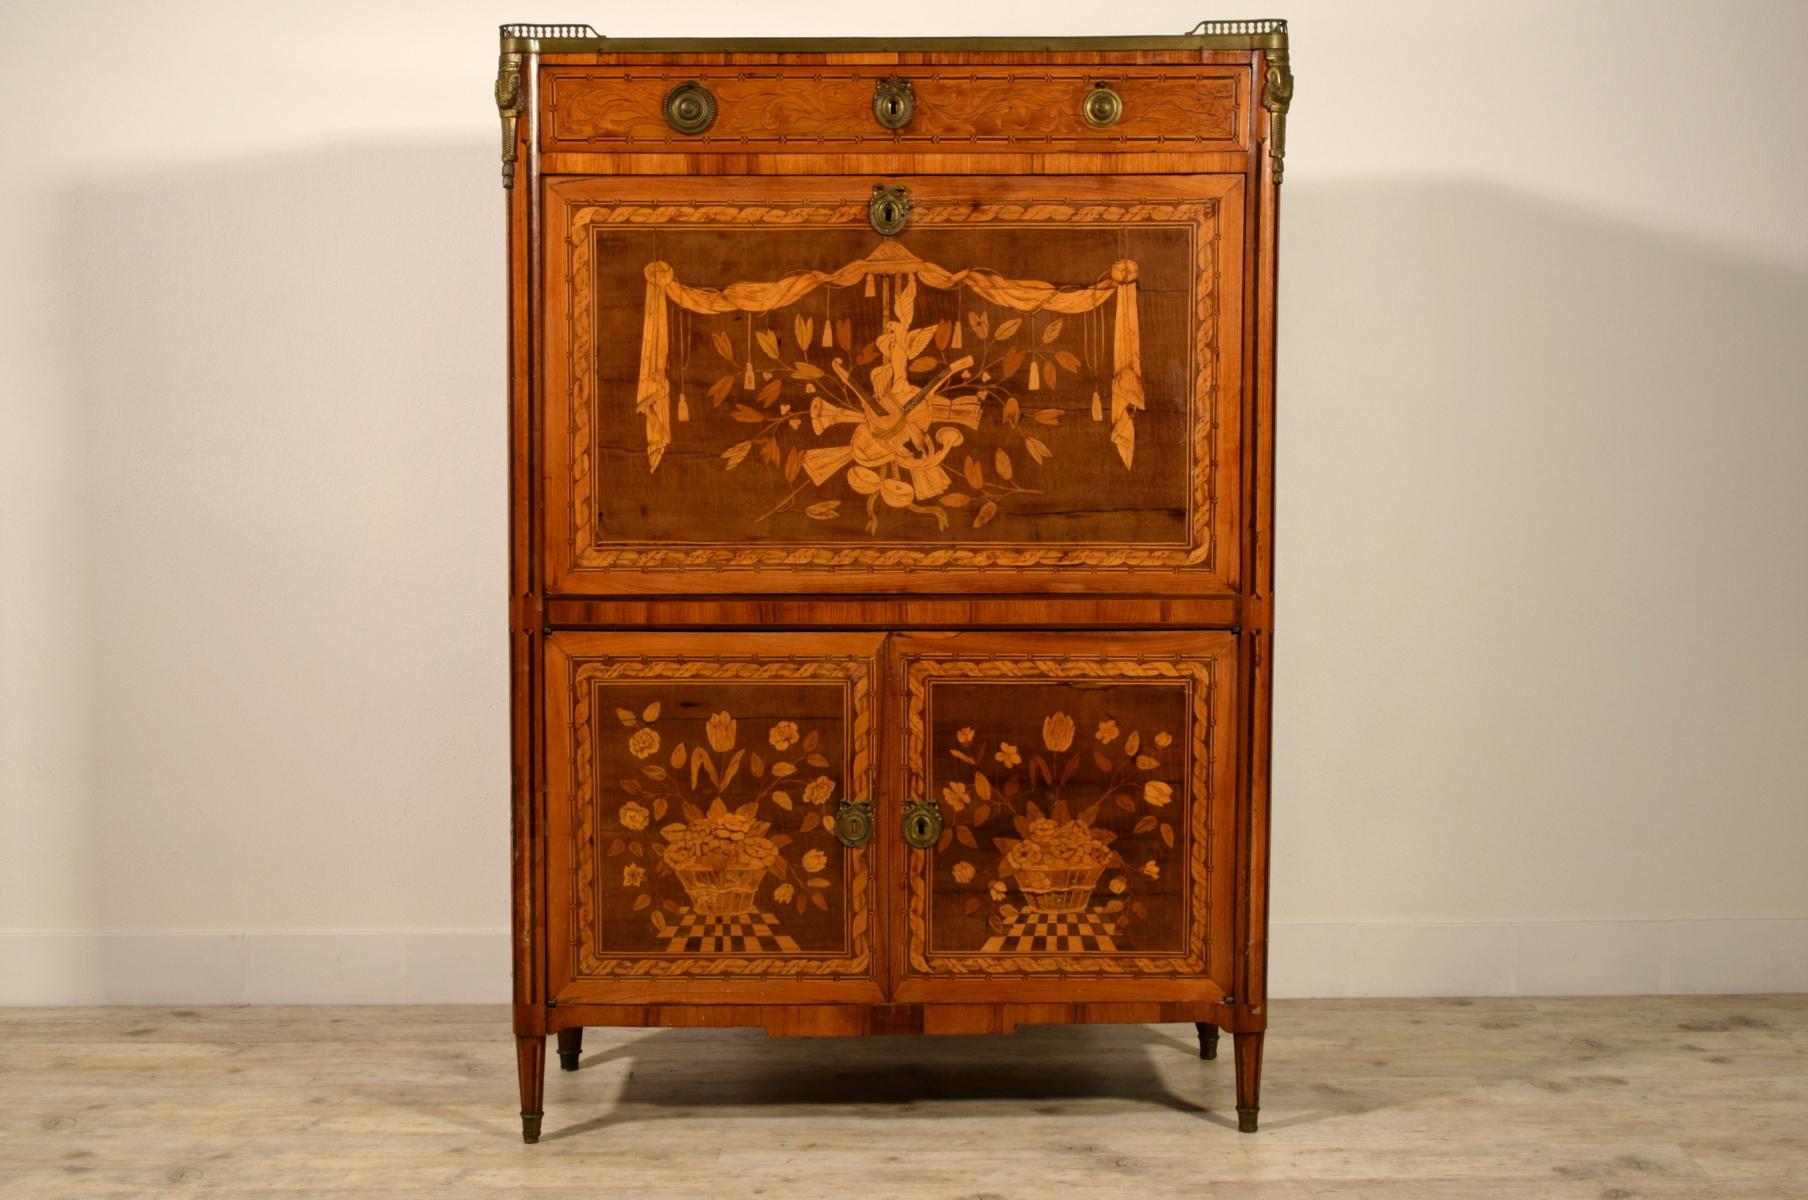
[{"x": 890, "y": 261}]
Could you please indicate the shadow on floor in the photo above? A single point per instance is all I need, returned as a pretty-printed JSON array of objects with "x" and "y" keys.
[{"x": 1039, "y": 1070}]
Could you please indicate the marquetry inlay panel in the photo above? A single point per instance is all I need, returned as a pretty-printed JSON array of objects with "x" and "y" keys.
[
  {"x": 1080, "y": 790},
  {"x": 759, "y": 391},
  {"x": 704, "y": 791}
]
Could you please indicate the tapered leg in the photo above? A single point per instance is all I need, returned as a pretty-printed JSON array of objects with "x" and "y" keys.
[
  {"x": 571, "y": 1044},
  {"x": 1249, "y": 1080},
  {"x": 530, "y": 1064},
  {"x": 1208, "y": 1039}
]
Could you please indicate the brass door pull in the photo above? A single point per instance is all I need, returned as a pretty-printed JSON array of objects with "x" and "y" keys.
[
  {"x": 1102, "y": 107},
  {"x": 894, "y": 102},
  {"x": 922, "y": 824},
  {"x": 690, "y": 108}
]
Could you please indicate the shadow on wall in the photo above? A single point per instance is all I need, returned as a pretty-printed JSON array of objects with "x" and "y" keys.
[
  {"x": 1543, "y": 480},
  {"x": 1543, "y": 542},
  {"x": 292, "y": 381}
]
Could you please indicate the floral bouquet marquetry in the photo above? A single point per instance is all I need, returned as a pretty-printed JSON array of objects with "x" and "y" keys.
[
  {"x": 1076, "y": 805},
  {"x": 700, "y": 827}
]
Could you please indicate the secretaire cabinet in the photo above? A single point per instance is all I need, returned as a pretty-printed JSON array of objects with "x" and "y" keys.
[{"x": 891, "y": 433}]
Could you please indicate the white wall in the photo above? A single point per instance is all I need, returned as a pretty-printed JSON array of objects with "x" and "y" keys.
[{"x": 1544, "y": 518}]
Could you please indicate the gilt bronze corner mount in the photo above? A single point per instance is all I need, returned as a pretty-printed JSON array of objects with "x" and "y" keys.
[
  {"x": 510, "y": 103},
  {"x": 1277, "y": 97}
]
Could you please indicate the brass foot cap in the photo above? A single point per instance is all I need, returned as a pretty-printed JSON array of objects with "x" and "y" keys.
[
  {"x": 1246, "y": 1119},
  {"x": 568, "y": 1062},
  {"x": 530, "y": 1127},
  {"x": 1208, "y": 1049}
]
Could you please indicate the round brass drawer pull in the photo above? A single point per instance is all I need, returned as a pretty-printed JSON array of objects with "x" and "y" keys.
[
  {"x": 1102, "y": 107},
  {"x": 894, "y": 103},
  {"x": 690, "y": 108}
]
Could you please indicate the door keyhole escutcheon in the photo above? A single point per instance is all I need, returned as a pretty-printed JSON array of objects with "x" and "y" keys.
[
  {"x": 854, "y": 824},
  {"x": 889, "y": 209},
  {"x": 894, "y": 103},
  {"x": 922, "y": 824}
]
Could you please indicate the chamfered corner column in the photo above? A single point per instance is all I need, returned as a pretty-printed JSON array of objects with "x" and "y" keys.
[
  {"x": 571, "y": 1045},
  {"x": 1208, "y": 1039},
  {"x": 530, "y": 1065},
  {"x": 1249, "y": 1079}
]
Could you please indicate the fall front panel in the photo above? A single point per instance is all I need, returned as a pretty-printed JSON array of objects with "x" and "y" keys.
[
  {"x": 1086, "y": 787},
  {"x": 1034, "y": 386},
  {"x": 696, "y": 788}
]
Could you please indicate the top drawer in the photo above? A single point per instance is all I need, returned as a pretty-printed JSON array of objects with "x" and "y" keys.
[{"x": 1018, "y": 108}]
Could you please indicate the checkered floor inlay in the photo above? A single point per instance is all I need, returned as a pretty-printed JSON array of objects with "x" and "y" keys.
[
  {"x": 1062, "y": 932},
  {"x": 745, "y": 933}
]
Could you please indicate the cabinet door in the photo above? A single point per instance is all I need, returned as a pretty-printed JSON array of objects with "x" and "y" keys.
[
  {"x": 1085, "y": 784},
  {"x": 1035, "y": 386},
  {"x": 698, "y": 789}
]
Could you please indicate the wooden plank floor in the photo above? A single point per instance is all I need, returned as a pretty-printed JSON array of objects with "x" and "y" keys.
[{"x": 1364, "y": 1099}]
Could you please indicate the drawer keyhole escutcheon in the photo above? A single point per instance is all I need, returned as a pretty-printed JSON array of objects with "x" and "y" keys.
[
  {"x": 690, "y": 108},
  {"x": 889, "y": 209},
  {"x": 854, "y": 824},
  {"x": 894, "y": 102},
  {"x": 1102, "y": 107},
  {"x": 922, "y": 824}
]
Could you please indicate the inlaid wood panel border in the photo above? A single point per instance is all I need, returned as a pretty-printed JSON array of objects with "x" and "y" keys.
[
  {"x": 1211, "y": 207},
  {"x": 1198, "y": 217},
  {"x": 899, "y": 612}
]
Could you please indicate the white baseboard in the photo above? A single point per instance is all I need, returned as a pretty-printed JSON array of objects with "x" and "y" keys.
[
  {"x": 1540, "y": 958},
  {"x": 309, "y": 966},
  {"x": 458, "y": 966}
]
